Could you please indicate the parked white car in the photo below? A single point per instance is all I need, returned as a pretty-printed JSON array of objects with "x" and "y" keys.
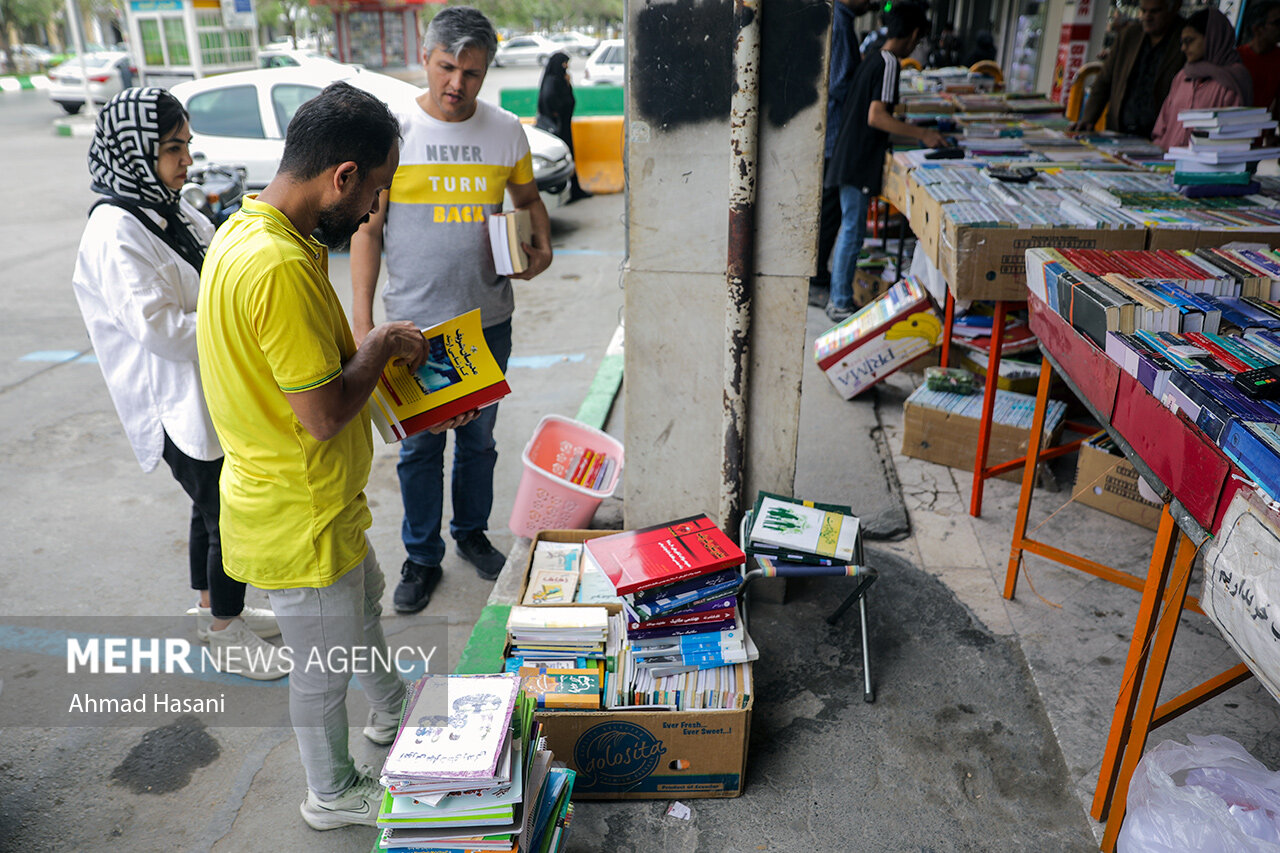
[
  {"x": 607, "y": 65},
  {"x": 108, "y": 73},
  {"x": 525, "y": 50},
  {"x": 574, "y": 42},
  {"x": 287, "y": 57},
  {"x": 240, "y": 119}
]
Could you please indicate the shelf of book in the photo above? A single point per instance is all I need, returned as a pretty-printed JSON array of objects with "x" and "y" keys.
[{"x": 1197, "y": 482}]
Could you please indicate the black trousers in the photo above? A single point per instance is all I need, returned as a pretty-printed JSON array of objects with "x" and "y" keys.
[
  {"x": 828, "y": 228},
  {"x": 199, "y": 480}
]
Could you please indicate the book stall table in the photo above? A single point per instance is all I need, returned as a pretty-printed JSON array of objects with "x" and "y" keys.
[
  {"x": 1197, "y": 483},
  {"x": 985, "y": 263}
]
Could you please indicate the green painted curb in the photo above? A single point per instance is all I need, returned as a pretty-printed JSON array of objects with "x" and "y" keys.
[
  {"x": 589, "y": 101},
  {"x": 64, "y": 130},
  {"x": 25, "y": 82},
  {"x": 600, "y": 396},
  {"x": 483, "y": 653}
]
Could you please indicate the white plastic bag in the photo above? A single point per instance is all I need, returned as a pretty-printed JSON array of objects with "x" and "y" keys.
[{"x": 1209, "y": 797}]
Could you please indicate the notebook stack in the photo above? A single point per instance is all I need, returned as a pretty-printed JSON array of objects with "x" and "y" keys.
[
  {"x": 680, "y": 642},
  {"x": 455, "y": 775},
  {"x": 557, "y": 635},
  {"x": 1215, "y": 162},
  {"x": 790, "y": 534}
]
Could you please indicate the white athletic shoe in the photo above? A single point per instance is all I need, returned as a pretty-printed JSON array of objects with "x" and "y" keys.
[
  {"x": 238, "y": 650},
  {"x": 260, "y": 620},
  {"x": 357, "y": 805},
  {"x": 383, "y": 727}
]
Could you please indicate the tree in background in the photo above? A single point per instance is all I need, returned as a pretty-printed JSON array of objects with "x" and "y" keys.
[
  {"x": 533, "y": 15},
  {"x": 17, "y": 15},
  {"x": 290, "y": 15}
]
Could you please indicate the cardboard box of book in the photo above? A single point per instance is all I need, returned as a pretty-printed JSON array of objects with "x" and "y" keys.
[
  {"x": 895, "y": 188},
  {"x": 1105, "y": 480},
  {"x": 927, "y": 222},
  {"x": 942, "y": 427},
  {"x": 990, "y": 263},
  {"x": 1197, "y": 238},
  {"x": 646, "y": 755}
]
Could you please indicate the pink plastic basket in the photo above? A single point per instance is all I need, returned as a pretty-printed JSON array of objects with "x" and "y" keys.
[{"x": 546, "y": 499}]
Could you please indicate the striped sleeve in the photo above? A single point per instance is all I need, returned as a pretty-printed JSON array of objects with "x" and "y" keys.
[{"x": 889, "y": 85}]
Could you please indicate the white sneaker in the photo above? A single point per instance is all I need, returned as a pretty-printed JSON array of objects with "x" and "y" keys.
[
  {"x": 238, "y": 650},
  {"x": 383, "y": 727},
  {"x": 260, "y": 620},
  {"x": 357, "y": 805}
]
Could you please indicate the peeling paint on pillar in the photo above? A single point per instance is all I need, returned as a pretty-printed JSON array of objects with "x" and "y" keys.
[{"x": 682, "y": 66}]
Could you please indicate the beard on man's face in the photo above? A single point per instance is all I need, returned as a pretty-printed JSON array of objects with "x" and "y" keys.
[{"x": 338, "y": 223}]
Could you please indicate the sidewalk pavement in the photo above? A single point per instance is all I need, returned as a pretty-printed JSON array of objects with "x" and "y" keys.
[{"x": 990, "y": 717}]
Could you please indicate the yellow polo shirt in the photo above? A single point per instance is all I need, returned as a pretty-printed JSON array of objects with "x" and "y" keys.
[{"x": 269, "y": 322}]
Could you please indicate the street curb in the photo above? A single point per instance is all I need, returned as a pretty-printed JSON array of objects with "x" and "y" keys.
[
  {"x": 73, "y": 127},
  {"x": 24, "y": 82},
  {"x": 604, "y": 388}
]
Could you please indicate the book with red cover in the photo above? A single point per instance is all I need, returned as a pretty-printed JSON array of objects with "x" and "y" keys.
[{"x": 635, "y": 560}]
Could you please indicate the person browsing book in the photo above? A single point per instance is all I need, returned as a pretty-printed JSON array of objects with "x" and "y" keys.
[
  {"x": 135, "y": 280},
  {"x": 856, "y": 165},
  {"x": 459, "y": 158},
  {"x": 1214, "y": 76},
  {"x": 288, "y": 390}
]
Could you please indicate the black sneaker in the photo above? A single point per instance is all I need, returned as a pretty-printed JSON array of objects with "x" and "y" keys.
[
  {"x": 819, "y": 291},
  {"x": 476, "y": 550},
  {"x": 836, "y": 314},
  {"x": 417, "y": 582}
]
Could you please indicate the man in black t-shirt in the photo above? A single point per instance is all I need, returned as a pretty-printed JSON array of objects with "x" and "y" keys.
[{"x": 856, "y": 166}]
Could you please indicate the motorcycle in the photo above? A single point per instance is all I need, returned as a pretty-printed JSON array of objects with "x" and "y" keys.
[{"x": 215, "y": 191}]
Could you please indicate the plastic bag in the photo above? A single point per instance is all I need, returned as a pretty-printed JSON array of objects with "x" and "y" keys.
[{"x": 1209, "y": 797}]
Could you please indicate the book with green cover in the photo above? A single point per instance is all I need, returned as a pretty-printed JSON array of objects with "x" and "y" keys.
[{"x": 806, "y": 527}]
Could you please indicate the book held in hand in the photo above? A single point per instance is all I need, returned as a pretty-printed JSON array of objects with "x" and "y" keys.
[
  {"x": 461, "y": 374},
  {"x": 507, "y": 232}
]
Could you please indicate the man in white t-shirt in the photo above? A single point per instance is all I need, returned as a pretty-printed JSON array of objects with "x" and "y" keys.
[{"x": 458, "y": 157}]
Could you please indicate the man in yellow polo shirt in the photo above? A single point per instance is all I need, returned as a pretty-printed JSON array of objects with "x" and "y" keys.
[{"x": 287, "y": 389}]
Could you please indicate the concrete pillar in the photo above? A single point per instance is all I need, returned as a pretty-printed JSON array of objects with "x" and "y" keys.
[{"x": 680, "y": 72}]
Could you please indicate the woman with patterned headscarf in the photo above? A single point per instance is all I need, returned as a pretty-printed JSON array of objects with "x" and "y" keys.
[
  {"x": 136, "y": 280},
  {"x": 1213, "y": 77}
]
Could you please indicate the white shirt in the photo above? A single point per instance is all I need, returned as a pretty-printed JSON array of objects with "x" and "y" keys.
[{"x": 138, "y": 299}]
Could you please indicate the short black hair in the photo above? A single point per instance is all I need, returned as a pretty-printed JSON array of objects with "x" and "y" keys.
[
  {"x": 340, "y": 124},
  {"x": 904, "y": 18},
  {"x": 170, "y": 113},
  {"x": 1199, "y": 21},
  {"x": 1255, "y": 15}
]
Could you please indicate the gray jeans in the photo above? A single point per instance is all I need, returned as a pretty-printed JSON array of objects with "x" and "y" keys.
[{"x": 344, "y": 615}]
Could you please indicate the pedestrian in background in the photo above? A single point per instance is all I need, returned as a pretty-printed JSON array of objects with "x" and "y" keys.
[
  {"x": 1137, "y": 74},
  {"x": 1213, "y": 77},
  {"x": 136, "y": 281},
  {"x": 840, "y": 70},
  {"x": 857, "y": 161},
  {"x": 1260, "y": 53},
  {"x": 555, "y": 110}
]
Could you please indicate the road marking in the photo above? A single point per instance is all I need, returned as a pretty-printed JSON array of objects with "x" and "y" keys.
[
  {"x": 538, "y": 362},
  {"x": 60, "y": 356}
]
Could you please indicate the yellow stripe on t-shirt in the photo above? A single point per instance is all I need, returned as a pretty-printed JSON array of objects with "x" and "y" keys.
[{"x": 450, "y": 183}]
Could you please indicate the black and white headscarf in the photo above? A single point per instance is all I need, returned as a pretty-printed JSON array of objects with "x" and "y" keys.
[
  {"x": 122, "y": 166},
  {"x": 125, "y": 148}
]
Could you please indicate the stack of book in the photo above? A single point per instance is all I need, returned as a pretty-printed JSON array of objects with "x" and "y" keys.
[
  {"x": 542, "y": 635},
  {"x": 789, "y": 532},
  {"x": 681, "y": 643},
  {"x": 457, "y": 773},
  {"x": 1215, "y": 161}
]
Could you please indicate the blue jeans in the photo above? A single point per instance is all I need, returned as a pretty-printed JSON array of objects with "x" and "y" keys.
[
  {"x": 421, "y": 471},
  {"x": 853, "y": 227}
]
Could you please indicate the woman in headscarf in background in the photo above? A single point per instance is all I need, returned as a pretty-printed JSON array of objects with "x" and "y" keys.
[
  {"x": 136, "y": 280},
  {"x": 1213, "y": 77},
  {"x": 555, "y": 110}
]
